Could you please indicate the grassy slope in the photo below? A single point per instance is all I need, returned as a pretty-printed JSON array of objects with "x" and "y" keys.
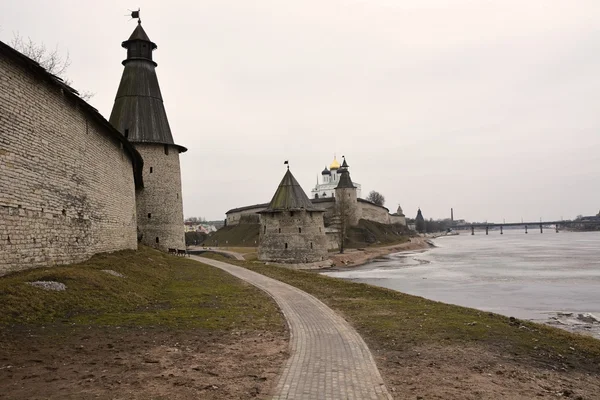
[
  {"x": 158, "y": 290},
  {"x": 371, "y": 233},
  {"x": 235, "y": 235},
  {"x": 394, "y": 321}
]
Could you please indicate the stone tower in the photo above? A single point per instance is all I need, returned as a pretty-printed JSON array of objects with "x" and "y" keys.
[
  {"x": 292, "y": 229},
  {"x": 139, "y": 114},
  {"x": 346, "y": 199}
]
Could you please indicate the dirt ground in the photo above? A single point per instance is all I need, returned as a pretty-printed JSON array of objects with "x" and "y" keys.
[
  {"x": 475, "y": 373},
  {"x": 356, "y": 257},
  {"x": 68, "y": 362}
]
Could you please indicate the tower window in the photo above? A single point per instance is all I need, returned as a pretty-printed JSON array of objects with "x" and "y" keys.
[
  {"x": 157, "y": 240},
  {"x": 311, "y": 245},
  {"x": 291, "y": 213},
  {"x": 286, "y": 246},
  {"x": 149, "y": 215},
  {"x": 166, "y": 149},
  {"x": 279, "y": 230},
  {"x": 150, "y": 169},
  {"x": 126, "y": 133},
  {"x": 299, "y": 230}
]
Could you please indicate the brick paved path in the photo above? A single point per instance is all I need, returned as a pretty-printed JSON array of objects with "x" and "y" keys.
[{"x": 329, "y": 359}]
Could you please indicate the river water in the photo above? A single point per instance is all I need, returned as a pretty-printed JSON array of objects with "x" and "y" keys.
[{"x": 550, "y": 277}]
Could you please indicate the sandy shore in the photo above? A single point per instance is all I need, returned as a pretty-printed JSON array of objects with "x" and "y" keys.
[{"x": 356, "y": 257}]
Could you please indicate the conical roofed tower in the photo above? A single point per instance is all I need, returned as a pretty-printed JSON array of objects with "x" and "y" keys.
[
  {"x": 139, "y": 114},
  {"x": 292, "y": 229}
]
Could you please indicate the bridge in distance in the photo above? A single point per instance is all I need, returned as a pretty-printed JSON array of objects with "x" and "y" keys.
[{"x": 553, "y": 224}]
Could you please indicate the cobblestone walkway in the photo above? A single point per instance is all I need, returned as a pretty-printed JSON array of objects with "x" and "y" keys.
[{"x": 329, "y": 359}]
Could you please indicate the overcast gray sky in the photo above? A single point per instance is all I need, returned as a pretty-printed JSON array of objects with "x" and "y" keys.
[{"x": 490, "y": 107}]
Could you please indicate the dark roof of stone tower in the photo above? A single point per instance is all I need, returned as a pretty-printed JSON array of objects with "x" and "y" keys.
[
  {"x": 345, "y": 181},
  {"x": 344, "y": 164},
  {"x": 290, "y": 197},
  {"x": 419, "y": 216},
  {"x": 138, "y": 34},
  {"x": 139, "y": 112}
]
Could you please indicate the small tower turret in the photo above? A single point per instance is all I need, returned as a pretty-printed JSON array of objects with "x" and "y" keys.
[
  {"x": 346, "y": 199},
  {"x": 139, "y": 114}
]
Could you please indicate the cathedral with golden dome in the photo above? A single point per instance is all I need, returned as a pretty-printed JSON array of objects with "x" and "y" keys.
[{"x": 329, "y": 180}]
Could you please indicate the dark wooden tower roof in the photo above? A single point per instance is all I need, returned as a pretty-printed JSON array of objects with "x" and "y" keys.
[
  {"x": 290, "y": 197},
  {"x": 139, "y": 112},
  {"x": 345, "y": 181}
]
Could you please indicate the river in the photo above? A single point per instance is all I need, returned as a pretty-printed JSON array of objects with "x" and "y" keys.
[{"x": 552, "y": 278}]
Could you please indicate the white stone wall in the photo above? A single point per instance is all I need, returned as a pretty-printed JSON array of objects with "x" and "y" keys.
[
  {"x": 233, "y": 218},
  {"x": 66, "y": 187},
  {"x": 375, "y": 213},
  {"x": 159, "y": 204}
]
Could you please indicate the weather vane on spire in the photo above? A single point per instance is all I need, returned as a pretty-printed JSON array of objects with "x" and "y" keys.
[{"x": 135, "y": 14}]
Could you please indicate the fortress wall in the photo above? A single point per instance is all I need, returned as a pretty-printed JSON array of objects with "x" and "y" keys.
[
  {"x": 67, "y": 187},
  {"x": 375, "y": 213},
  {"x": 159, "y": 204},
  {"x": 233, "y": 218},
  {"x": 397, "y": 219}
]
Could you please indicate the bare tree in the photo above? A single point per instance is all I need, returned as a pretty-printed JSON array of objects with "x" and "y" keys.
[
  {"x": 50, "y": 59},
  {"x": 376, "y": 197},
  {"x": 344, "y": 213}
]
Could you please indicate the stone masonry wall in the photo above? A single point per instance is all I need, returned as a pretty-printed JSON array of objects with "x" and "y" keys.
[
  {"x": 281, "y": 240},
  {"x": 159, "y": 204},
  {"x": 375, "y": 213},
  {"x": 66, "y": 187},
  {"x": 233, "y": 218}
]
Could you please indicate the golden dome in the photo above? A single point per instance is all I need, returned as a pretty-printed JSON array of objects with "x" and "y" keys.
[{"x": 335, "y": 164}]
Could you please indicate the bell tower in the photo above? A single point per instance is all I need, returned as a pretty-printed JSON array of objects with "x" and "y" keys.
[{"x": 139, "y": 114}]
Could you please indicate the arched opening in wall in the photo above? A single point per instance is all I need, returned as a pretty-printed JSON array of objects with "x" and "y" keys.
[
  {"x": 157, "y": 240},
  {"x": 126, "y": 133},
  {"x": 299, "y": 230},
  {"x": 291, "y": 213},
  {"x": 149, "y": 215},
  {"x": 316, "y": 195},
  {"x": 311, "y": 245},
  {"x": 286, "y": 246},
  {"x": 279, "y": 230},
  {"x": 166, "y": 149},
  {"x": 310, "y": 214},
  {"x": 150, "y": 169}
]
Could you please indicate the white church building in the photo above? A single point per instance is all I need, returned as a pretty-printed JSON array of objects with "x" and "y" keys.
[{"x": 329, "y": 181}]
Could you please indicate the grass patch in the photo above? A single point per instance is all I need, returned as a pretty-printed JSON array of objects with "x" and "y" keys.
[
  {"x": 157, "y": 290},
  {"x": 240, "y": 235},
  {"x": 395, "y": 321}
]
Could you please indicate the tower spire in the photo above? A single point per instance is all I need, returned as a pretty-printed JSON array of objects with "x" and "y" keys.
[{"x": 139, "y": 112}]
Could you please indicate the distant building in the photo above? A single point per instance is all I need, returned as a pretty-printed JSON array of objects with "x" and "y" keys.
[
  {"x": 329, "y": 181},
  {"x": 420, "y": 222},
  {"x": 362, "y": 209},
  {"x": 292, "y": 228}
]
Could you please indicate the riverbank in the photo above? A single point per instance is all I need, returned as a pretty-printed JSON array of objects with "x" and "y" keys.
[
  {"x": 357, "y": 257},
  {"x": 427, "y": 349}
]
